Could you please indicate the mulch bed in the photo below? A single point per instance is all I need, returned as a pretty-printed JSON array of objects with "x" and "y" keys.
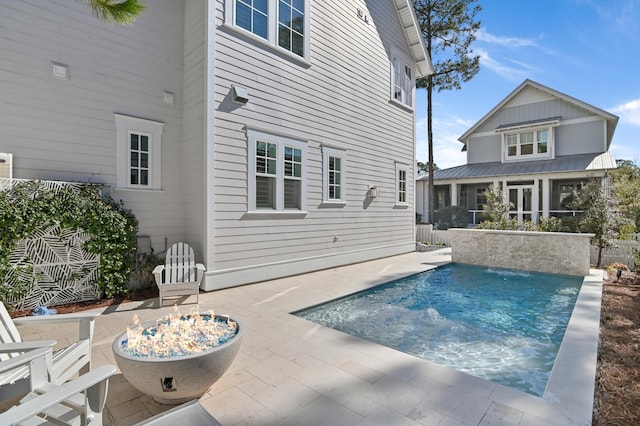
[
  {"x": 140, "y": 294},
  {"x": 617, "y": 396}
]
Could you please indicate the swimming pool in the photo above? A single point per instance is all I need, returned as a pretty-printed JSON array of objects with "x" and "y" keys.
[{"x": 496, "y": 324}]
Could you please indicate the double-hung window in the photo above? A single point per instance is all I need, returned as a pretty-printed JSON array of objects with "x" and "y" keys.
[
  {"x": 527, "y": 144},
  {"x": 139, "y": 149},
  {"x": 402, "y": 79},
  {"x": 334, "y": 175},
  {"x": 277, "y": 178},
  {"x": 282, "y": 24},
  {"x": 402, "y": 176}
]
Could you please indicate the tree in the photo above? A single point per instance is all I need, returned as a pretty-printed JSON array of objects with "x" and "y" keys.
[
  {"x": 448, "y": 28},
  {"x": 625, "y": 182},
  {"x": 600, "y": 216},
  {"x": 424, "y": 168},
  {"x": 497, "y": 210},
  {"x": 114, "y": 11}
]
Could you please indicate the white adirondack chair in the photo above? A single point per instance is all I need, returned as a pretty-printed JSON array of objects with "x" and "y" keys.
[
  {"x": 65, "y": 362},
  {"x": 79, "y": 401},
  {"x": 180, "y": 275}
]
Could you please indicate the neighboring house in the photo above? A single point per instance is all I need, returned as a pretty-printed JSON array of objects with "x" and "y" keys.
[
  {"x": 537, "y": 146},
  {"x": 275, "y": 137}
]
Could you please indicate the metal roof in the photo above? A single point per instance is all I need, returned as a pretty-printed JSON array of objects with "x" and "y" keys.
[{"x": 569, "y": 163}]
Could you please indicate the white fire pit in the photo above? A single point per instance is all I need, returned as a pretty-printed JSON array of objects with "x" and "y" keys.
[{"x": 175, "y": 360}]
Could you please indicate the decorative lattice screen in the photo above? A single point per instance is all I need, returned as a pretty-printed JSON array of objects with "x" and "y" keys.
[{"x": 62, "y": 271}]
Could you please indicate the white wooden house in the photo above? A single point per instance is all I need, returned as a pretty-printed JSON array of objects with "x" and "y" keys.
[
  {"x": 274, "y": 137},
  {"x": 537, "y": 145}
]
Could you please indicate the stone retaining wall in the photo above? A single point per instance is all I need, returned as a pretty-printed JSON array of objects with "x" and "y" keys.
[{"x": 552, "y": 252}]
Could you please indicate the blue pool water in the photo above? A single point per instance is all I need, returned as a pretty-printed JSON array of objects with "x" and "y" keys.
[{"x": 496, "y": 324}]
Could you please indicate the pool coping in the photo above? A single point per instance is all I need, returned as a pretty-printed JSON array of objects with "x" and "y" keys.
[{"x": 569, "y": 394}]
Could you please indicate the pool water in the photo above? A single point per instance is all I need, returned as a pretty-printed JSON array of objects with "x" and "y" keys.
[{"x": 496, "y": 324}]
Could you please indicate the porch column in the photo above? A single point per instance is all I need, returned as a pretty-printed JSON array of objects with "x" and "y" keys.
[
  {"x": 454, "y": 194},
  {"x": 546, "y": 197},
  {"x": 535, "y": 201},
  {"x": 425, "y": 202}
]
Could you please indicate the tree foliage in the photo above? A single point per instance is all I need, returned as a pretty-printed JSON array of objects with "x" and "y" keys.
[
  {"x": 448, "y": 28},
  {"x": 600, "y": 216},
  {"x": 625, "y": 182},
  {"x": 116, "y": 11}
]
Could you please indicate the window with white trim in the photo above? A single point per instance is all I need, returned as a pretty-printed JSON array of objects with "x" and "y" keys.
[
  {"x": 530, "y": 143},
  {"x": 277, "y": 178},
  {"x": 402, "y": 79},
  {"x": 283, "y": 24},
  {"x": 402, "y": 174},
  {"x": 139, "y": 153},
  {"x": 334, "y": 163}
]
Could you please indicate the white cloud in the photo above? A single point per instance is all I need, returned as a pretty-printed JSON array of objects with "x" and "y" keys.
[
  {"x": 484, "y": 36},
  {"x": 506, "y": 71},
  {"x": 446, "y": 147},
  {"x": 629, "y": 112}
]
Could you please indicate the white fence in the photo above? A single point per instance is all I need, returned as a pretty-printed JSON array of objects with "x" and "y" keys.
[
  {"x": 426, "y": 234},
  {"x": 622, "y": 252}
]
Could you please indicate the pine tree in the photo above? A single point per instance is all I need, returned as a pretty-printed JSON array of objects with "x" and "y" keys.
[{"x": 448, "y": 28}]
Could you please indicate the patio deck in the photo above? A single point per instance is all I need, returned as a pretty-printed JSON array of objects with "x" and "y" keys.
[{"x": 293, "y": 372}]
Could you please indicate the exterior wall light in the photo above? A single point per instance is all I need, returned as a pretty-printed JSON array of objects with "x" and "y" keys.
[
  {"x": 239, "y": 94},
  {"x": 373, "y": 192}
]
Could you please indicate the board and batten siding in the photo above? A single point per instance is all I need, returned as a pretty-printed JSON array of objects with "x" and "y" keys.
[
  {"x": 340, "y": 99},
  {"x": 580, "y": 131},
  {"x": 64, "y": 129}
]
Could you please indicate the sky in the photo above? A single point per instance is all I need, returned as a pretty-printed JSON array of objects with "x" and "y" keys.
[{"x": 587, "y": 49}]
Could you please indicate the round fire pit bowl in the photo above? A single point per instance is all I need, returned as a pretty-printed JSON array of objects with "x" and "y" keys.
[{"x": 180, "y": 378}]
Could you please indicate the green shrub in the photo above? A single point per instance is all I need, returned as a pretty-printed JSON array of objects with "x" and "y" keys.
[
  {"x": 551, "y": 224},
  {"x": 31, "y": 205},
  {"x": 451, "y": 217}
]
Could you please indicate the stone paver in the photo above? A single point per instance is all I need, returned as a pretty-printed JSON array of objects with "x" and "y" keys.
[{"x": 292, "y": 372}]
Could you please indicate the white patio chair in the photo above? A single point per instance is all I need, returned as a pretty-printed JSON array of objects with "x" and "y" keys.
[
  {"x": 65, "y": 362},
  {"x": 77, "y": 402},
  {"x": 180, "y": 275}
]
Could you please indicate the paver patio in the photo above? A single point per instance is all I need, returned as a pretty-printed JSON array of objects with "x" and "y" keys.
[{"x": 293, "y": 372}]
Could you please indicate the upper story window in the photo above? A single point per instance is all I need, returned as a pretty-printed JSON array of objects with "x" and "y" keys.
[
  {"x": 334, "y": 175},
  {"x": 139, "y": 152},
  {"x": 282, "y": 24},
  {"x": 402, "y": 79},
  {"x": 277, "y": 178},
  {"x": 531, "y": 143},
  {"x": 528, "y": 140}
]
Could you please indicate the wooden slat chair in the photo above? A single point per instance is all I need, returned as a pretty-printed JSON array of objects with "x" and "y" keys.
[
  {"x": 80, "y": 401},
  {"x": 180, "y": 275},
  {"x": 65, "y": 362}
]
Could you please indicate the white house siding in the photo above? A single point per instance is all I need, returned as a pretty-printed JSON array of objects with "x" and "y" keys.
[
  {"x": 577, "y": 134},
  {"x": 580, "y": 138},
  {"x": 194, "y": 129},
  {"x": 484, "y": 148},
  {"x": 342, "y": 99},
  {"x": 64, "y": 129}
]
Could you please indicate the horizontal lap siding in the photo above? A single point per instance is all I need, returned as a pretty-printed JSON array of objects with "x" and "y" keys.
[
  {"x": 194, "y": 154},
  {"x": 341, "y": 100},
  {"x": 64, "y": 129}
]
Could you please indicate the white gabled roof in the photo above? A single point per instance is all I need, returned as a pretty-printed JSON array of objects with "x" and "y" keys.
[
  {"x": 413, "y": 34},
  {"x": 612, "y": 120}
]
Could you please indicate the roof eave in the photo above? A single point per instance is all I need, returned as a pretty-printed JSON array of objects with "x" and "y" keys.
[{"x": 412, "y": 33}]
